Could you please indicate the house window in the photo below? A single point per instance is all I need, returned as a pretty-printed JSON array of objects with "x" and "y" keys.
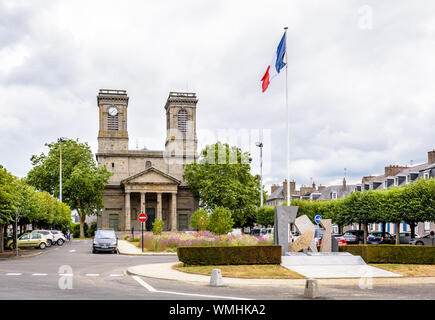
[
  {"x": 182, "y": 120},
  {"x": 427, "y": 226},
  {"x": 408, "y": 178},
  {"x": 396, "y": 181},
  {"x": 148, "y": 164},
  {"x": 334, "y": 195},
  {"x": 182, "y": 222},
  {"x": 426, "y": 175}
]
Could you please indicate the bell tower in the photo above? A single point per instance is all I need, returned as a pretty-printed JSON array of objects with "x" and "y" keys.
[
  {"x": 112, "y": 134},
  {"x": 181, "y": 141}
]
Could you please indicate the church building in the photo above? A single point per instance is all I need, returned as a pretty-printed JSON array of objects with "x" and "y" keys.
[{"x": 147, "y": 180}]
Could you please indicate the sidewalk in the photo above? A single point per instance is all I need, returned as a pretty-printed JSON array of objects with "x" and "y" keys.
[
  {"x": 26, "y": 253},
  {"x": 129, "y": 249},
  {"x": 165, "y": 271}
]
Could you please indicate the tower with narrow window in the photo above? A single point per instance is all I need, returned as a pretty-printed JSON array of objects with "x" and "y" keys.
[
  {"x": 112, "y": 134},
  {"x": 181, "y": 141}
]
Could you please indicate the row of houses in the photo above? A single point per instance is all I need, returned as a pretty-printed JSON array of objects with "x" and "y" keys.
[{"x": 394, "y": 175}]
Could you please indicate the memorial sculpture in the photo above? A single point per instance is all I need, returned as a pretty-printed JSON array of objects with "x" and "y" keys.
[{"x": 285, "y": 218}]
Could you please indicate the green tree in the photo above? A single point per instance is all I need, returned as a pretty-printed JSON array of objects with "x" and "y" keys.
[
  {"x": 265, "y": 215},
  {"x": 221, "y": 221},
  {"x": 9, "y": 192},
  {"x": 199, "y": 219},
  {"x": 83, "y": 183},
  {"x": 222, "y": 178},
  {"x": 158, "y": 226}
]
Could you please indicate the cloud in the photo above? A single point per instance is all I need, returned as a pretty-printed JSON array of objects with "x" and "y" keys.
[{"x": 359, "y": 99}]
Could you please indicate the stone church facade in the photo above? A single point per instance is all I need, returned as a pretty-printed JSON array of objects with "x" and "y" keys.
[{"x": 147, "y": 180}]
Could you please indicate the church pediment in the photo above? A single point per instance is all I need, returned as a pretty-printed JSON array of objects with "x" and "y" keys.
[{"x": 151, "y": 176}]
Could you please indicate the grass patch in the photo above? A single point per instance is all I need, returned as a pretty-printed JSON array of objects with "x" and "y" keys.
[
  {"x": 409, "y": 270},
  {"x": 257, "y": 271}
]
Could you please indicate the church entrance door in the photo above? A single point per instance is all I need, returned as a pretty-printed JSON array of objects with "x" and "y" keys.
[
  {"x": 151, "y": 213},
  {"x": 113, "y": 221}
]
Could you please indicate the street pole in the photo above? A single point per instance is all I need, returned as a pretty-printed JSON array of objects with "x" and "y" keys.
[
  {"x": 60, "y": 171},
  {"x": 288, "y": 125},
  {"x": 16, "y": 233},
  {"x": 142, "y": 234},
  {"x": 260, "y": 145}
]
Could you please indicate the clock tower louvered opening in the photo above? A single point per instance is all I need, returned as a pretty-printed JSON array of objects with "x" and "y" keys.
[{"x": 112, "y": 123}]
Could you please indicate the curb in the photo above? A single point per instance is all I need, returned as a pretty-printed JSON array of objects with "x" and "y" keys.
[
  {"x": 148, "y": 254},
  {"x": 27, "y": 255}
]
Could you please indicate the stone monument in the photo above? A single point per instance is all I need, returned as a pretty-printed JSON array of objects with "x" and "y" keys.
[{"x": 284, "y": 217}]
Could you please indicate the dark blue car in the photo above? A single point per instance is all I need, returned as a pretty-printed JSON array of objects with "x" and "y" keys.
[{"x": 380, "y": 238}]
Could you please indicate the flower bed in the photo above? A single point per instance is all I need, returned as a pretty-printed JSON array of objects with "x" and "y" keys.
[{"x": 170, "y": 241}]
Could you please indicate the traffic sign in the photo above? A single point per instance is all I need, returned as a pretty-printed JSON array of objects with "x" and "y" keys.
[
  {"x": 143, "y": 217},
  {"x": 317, "y": 219}
]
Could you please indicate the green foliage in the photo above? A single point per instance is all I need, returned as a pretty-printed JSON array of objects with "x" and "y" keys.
[
  {"x": 222, "y": 178},
  {"x": 9, "y": 191},
  {"x": 220, "y": 221},
  {"x": 83, "y": 182},
  {"x": 92, "y": 228},
  {"x": 236, "y": 255},
  {"x": 199, "y": 220},
  {"x": 403, "y": 254},
  {"x": 158, "y": 226},
  {"x": 265, "y": 215}
]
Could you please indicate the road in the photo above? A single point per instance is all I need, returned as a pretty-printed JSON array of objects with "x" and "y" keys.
[{"x": 102, "y": 276}]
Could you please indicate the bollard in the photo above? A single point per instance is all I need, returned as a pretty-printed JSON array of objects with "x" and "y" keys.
[
  {"x": 216, "y": 278},
  {"x": 311, "y": 289}
]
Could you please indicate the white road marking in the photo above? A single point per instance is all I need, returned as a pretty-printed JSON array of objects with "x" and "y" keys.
[
  {"x": 39, "y": 274},
  {"x": 151, "y": 289},
  {"x": 13, "y": 274},
  {"x": 116, "y": 275},
  {"x": 65, "y": 274},
  {"x": 73, "y": 250},
  {"x": 92, "y": 274}
]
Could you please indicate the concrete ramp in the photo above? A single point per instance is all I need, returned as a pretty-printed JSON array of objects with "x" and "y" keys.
[{"x": 332, "y": 265}]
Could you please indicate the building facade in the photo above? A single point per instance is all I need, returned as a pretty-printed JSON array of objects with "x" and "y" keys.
[{"x": 146, "y": 180}]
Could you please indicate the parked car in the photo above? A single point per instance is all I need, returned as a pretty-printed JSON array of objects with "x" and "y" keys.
[
  {"x": 354, "y": 236},
  {"x": 339, "y": 237},
  {"x": 405, "y": 237},
  {"x": 51, "y": 240},
  {"x": 59, "y": 237},
  {"x": 105, "y": 240},
  {"x": 426, "y": 240},
  {"x": 258, "y": 232},
  {"x": 380, "y": 238},
  {"x": 36, "y": 240}
]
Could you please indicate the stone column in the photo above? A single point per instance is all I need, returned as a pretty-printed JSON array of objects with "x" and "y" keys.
[
  {"x": 159, "y": 206},
  {"x": 142, "y": 202},
  {"x": 127, "y": 211},
  {"x": 174, "y": 212}
]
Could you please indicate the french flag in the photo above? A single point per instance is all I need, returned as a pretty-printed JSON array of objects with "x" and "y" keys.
[{"x": 276, "y": 65}]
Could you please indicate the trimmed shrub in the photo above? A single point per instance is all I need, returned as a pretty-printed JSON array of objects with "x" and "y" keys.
[
  {"x": 384, "y": 253},
  {"x": 158, "y": 226},
  {"x": 199, "y": 220},
  {"x": 195, "y": 255},
  {"x": 220, "y": 221}
]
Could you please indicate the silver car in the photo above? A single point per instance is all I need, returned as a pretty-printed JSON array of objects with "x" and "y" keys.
[{"x": 426, "y": 240}]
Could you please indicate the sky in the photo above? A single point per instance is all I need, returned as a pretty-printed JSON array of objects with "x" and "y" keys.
[{"x": 360, "y": 78}]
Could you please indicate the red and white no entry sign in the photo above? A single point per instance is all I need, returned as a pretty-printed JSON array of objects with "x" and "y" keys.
[{"x": 143, "y": 217}]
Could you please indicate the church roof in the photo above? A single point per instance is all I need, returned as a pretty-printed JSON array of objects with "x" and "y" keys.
[{"x": 149, "y": 170}]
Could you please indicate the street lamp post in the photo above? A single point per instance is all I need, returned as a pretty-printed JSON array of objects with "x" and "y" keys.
[
  {"x": 60, "y": 140},
  {"x": 260, "y": 145}
]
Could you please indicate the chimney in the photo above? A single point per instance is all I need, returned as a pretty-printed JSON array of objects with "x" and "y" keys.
[
  {"x": 314, "y": 185},
  {"x": 292, "y": 188},
  {"x": 431, "y": 157},
  {"x": 274, "y": 187},
  {"x": 344, "y": 183},
  {"x": 392, "y": 169},
  {"x": 320, "y": 187}
]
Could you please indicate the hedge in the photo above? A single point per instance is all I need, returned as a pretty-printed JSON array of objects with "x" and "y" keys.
[
  {"x": 384, "y": 253},
  {"x": 231, "y": 255}
]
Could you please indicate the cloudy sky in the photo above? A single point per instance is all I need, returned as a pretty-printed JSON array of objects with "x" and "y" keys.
[{"x": 361, "y": 77}]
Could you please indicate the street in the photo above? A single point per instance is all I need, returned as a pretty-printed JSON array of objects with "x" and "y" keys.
[{"x": 102, "y": 276}]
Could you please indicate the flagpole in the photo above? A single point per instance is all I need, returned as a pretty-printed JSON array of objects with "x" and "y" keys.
[{"x": 288, "y": 125}]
